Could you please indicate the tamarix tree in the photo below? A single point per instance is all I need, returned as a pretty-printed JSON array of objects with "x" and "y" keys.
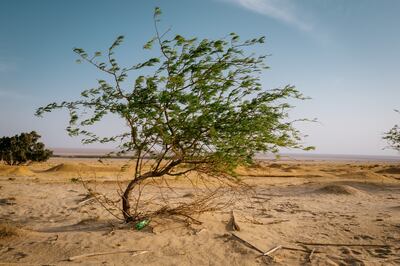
[{"x": 202, "y": 108}]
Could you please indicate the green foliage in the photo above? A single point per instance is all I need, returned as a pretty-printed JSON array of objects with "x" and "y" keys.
[
  {"x": 393, "y": 137},
  {"x": 23, "y": 148},
  {"x": 203, "y": 105}
]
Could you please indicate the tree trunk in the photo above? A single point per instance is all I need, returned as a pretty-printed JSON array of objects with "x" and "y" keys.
[
  {"x": 126, "y": 207},
  {"x": 125, "y": 197}
]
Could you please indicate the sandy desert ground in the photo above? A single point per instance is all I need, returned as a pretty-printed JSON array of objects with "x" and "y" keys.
[{"x": 321, "y": 213}]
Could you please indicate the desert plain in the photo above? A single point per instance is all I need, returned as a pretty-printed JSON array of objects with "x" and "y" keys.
[{"x": 304, "y": 212}]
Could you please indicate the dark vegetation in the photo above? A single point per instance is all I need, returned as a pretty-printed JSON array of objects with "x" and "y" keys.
[
  {"x": 23, "y": 148},
  {"x": 393, "y": 137}
]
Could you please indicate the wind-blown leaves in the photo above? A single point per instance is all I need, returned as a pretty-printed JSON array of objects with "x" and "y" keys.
[
  {"x": 203, "y": 102},
  {"x": 202, "y": 105}
]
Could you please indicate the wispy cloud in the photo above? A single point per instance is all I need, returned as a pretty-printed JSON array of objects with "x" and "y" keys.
[{"x": 282, "y": 10}]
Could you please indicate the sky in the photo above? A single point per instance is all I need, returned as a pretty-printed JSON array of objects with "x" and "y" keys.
[{"x": 343, "y": 54}]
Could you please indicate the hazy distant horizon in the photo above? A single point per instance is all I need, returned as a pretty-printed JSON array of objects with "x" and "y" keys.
[{"x": 284, "y": 155}]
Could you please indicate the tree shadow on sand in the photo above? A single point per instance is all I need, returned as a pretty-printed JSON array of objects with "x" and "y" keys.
[{"x": 86, "y": 225}]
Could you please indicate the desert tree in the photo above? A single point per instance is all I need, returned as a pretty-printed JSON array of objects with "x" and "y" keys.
[
  {"x": 202, "y": 107},
  {"x": 393, "y": 137},
  {"x": 23, "y": 148}
]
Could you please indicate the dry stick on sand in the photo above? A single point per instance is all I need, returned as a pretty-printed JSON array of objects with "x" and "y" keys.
[
  {"x": 86, "y": 201},
  {"x": 273, "y": 249},
  {"x": 134, "y": 253},
  {"x": 277, "y": 221},
  {"x": 268, "y": 253},
  {"x": 299, "y": 249},
  {"x": 235, "y": 226},
  {"x": 344, "y": 244},
  {"x": 311, "y": 254},
  {"x": 248, "y": 243}
]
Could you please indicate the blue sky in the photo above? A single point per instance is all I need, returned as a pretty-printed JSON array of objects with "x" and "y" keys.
[{"x": 343, "y": 54}]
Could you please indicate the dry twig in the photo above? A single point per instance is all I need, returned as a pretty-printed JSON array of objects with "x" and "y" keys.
[
  {"x": 134, "y": 253},
  {"x": 277, "y": 221},
  {"x": 248, "y": 243},
  {"x": 311, "y": 254},
  {"x": 272, "y": 250},
  {"x": 233, "y": 222},
  {"x": 341, "y": 244},
  {"x": 298, "y": 249}
]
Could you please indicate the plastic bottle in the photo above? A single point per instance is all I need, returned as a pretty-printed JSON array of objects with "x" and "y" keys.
[{"x": 142, "y": 224}]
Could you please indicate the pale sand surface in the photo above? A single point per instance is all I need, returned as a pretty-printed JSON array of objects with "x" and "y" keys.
[{"x": 324, "y": 202}]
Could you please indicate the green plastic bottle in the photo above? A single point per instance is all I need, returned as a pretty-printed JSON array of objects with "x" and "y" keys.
[{"x": 142, "y": 224}]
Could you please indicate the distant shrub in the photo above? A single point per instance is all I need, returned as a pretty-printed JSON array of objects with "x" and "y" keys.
[
  {"x": 393, "y": 137},
  {"x": 23, "y": 148}
]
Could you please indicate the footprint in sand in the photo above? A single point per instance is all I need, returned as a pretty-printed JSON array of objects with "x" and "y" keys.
[{"x": 340, "y": 190}]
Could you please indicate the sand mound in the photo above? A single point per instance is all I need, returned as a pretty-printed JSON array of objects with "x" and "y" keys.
[
  {"x": 396, "y": 208},
  {"x": 20, "y": 171},
  {"x": 273, "y": 165},
  {"x": 4, "y": 167},
  {"x": 362, "y": 175},
  {"x": 69, "y": 167},
  {"x": 339, "y": 190},
  {"x": 390, "y": 170},
  {"x": 268, "y": 170}
]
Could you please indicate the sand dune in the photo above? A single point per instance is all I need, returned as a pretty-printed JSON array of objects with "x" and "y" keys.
[
  {"x": 46, "y": 218},
  {"x": 22, "y": 171},
  {"x": 339, "y": 190},
  {"x": 81, "y": 167},
  {"x": 68, "y": 167},
  {"x": 390, "y": 170}
]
